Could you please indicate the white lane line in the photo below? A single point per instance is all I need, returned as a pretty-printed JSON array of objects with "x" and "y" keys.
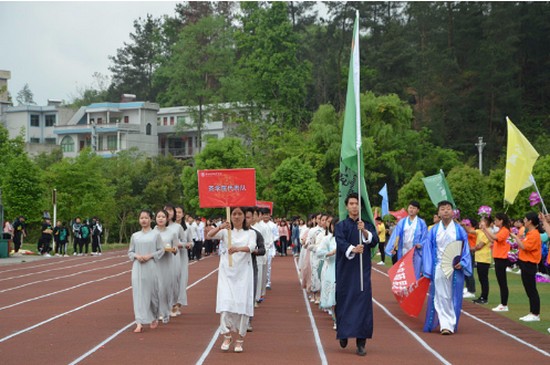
[
  {"x": 318, "y": 342},
  {"x": 545, "y": 353},
  {"x": 206, "y": 351},
  {"x": 62, "y": 277},
  {"x": 122, "y": 330},
  {"x": 63, "y": 290},
  {"x": 506, "y": 333},
  {"x": 57, "y": 269},
  {"x": 62, "y": 315}
]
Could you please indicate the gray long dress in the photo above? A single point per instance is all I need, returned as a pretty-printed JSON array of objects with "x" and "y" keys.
[
  {"x": 145, "y": 284},
  {"x": 182, "y": 265},
  {"x": 166, "y": 270}
]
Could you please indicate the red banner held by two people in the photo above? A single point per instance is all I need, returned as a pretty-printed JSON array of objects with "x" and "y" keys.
[{"x": 409, "y": 292}]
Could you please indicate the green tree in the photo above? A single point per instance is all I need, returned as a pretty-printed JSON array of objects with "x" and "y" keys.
[
  {"x": 295, "y": 189},
  {"x": 468, "y": 188},
  {"x": 135, "y": 63},
  {"x": 25, "y": 96},
  {"x": 415, "y": 190}
]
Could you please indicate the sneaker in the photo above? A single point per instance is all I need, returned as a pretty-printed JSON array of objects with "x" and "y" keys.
[
  {"x": 517, "y": 272},
  {"x": 381, "y": 263},
  {"x": 509, "y": 269},
  {"x": 74, "y": 254},
  {"x": 334, "y": 327},
  {"x": 530, "y": 318},
  {"x": 468, "y": 295},
  {"x": 65, "y": 255},
  {"x": 47, "y": 255},
  {"x": 500, "y": 308},
  {"x": 480, "y": 301},
  {"x": 464, "y": 291}
]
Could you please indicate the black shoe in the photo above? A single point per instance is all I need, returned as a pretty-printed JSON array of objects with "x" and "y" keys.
[
  {"x": 361, "y": 350},
  {"x": 480, "y": 301},
  {"x": 343, "y": 343}
]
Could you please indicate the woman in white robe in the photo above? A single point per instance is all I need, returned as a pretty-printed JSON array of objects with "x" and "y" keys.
[
  {"x": 327, "y": 253},
  {"x": 166, "y": 265},
  {"x": 235, "y": 293},
  {"x": 145, "y": 251},
  {"x": 315, "y": 241}
]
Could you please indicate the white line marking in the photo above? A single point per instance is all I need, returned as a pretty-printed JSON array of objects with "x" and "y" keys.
[
  {"x": 62, "y": 277},
  {"x": 318, "y": 342},
  {"x": 62, "y": 315},
  {"x": 117, "y": 333},
  {"x": 63, "y": 290},
  {"x": 209, "y": 347}
]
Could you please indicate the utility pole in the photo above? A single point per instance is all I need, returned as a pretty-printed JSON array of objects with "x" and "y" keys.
[{"x": 480, "y": 144}]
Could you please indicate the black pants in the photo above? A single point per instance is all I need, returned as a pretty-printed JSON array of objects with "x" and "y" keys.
[
  {"x": 500, "y": 271},
  {"x": 197, "y": 250},
  {"x": 208, "y": 245},
  {"x": 16, "y": 243},
  {"x": 381, "y": 247},
  {"x": 528, "y": 278},
  {"x": 283, "y": 240},
  {"x": 483, "y": 276},
  {"x": 470, "y": 281},
  {"x": 96, "y": 244},
  {"x": 83, "y": 245}
]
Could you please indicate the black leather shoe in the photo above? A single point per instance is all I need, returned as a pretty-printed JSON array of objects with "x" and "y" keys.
[
  {"x": 343, "y": 343},
  {"x": 361, "y": 351}
]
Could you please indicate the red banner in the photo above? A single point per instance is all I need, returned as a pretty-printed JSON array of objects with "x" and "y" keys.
[
  {"x": 399, "y": 214},
  {"x": 263, "y": 204},
  {"x": 409, "y": 292},
  {"x": 227, "y": 188}
]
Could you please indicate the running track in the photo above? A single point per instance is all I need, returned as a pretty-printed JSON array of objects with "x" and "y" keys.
[{"x": 78, "y": 310}]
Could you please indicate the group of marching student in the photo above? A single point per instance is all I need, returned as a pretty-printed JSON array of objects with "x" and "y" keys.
[
  {"x": 317, "y": 262},
  {"x": 160, "y": 266}
]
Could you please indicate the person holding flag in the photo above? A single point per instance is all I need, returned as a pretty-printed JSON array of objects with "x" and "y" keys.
[{"x": 409, "y": 234}]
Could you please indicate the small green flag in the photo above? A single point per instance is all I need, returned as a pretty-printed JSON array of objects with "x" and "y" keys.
[
  {"x": 352, "y": 170},
  {"x": 438, "y": 189}
]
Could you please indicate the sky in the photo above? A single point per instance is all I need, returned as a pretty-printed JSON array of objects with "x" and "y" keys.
[{"x": 55, "y": 47}]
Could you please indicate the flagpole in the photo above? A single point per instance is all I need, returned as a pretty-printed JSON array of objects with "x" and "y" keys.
[
  {"x": 532, "y": 178},
  {"x": 357, "y": 123}
]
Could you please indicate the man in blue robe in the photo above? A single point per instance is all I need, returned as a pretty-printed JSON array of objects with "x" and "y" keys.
[
  {"x": 409, "y": 234},
  {"x": 354, "y": 237},
  {"x": 445, "y": 294}
]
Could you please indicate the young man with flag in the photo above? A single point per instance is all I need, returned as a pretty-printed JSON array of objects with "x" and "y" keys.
[
  {"x": 409, "y": 234},
  {"x": 354, "y": 238}
]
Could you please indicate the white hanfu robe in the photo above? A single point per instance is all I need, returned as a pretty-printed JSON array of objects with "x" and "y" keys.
[
  {"x": 316, "y": 235},
  {"x": 145, "y": 283},
  {"x": 235, "y": 294},
  {"x": 166, "y": 272},
  {"x": 328, "y": 273},
  {"x": 443, "y": 301}
]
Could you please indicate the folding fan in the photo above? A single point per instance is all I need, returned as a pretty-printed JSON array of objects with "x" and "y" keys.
[{"x": 451, "y": 257}]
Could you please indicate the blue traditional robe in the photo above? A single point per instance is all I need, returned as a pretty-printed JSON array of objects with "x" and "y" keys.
[
  {"x": 419, "y": 237},
  {"x": 430, "y": 261},
  {"x": 353, "y": 306}
]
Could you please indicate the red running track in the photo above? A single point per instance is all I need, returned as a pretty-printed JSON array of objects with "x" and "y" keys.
[{"x": 79, "y": 310}]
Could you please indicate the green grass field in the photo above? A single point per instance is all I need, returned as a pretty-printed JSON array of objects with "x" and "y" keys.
[{"x": 104, "y": 247}]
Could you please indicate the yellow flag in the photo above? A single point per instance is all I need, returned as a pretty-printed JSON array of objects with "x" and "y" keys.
[{"x": 520, "y": 159}]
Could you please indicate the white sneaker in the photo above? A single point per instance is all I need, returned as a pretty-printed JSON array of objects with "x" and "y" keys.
[
  {"x": 468, "y": 295},
  {"x": 548, "y": 330},
  {"x": 530, "y": 318},
  {"x": 500, "y": 308},
  {"x": 381, "y": 263},
  {"x": 509, "y": 269},
  {"x": 464, "y": 291},
  {"x": 74, "y": 254},
  {"x": 47, "y": 255},
  {"x": 517, "y": 272},
  {"x": 65, "y": 255}
]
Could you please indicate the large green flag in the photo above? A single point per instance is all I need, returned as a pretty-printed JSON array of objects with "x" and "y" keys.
[
  {"x": 352, "y": 170},
  {"x": 438, "y": 189}
]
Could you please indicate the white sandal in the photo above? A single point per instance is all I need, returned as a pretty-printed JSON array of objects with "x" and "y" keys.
[
  {"x": 226, "y": 342},
  {"x": 238, "y": 346}
]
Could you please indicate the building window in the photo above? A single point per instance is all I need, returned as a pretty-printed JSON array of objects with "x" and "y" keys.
[
  {"x": 165, "y": 120},
  {"x": 35, "y": 120},
  {"x": 126, "y": 119},
  {"x": 50, "y": 140},
  {"x": 35, "y": 140},
  {"x": 99, "y": 143},
  {"x": 111, "y": 143},
  {"x": 50, "y": 120},
  {"x": 148, "y": 129},
  {"x": 171, "y": 120},
  {"x": 99, "y": 120},
  {"x": 67, "y": 144}
]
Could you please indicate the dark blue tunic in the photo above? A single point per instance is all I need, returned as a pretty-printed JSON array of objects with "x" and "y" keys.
[{"x": 353, "y": 306}]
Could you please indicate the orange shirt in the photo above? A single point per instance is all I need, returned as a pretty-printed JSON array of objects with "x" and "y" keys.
[
  {"x": 500, "y": 246},
  {"x": 532, "y": 251},
  {"x": 472, "y": 240}
]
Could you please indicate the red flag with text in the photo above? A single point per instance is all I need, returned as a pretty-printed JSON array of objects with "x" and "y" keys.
[
  {"x": 227, "y": 188},
  {"x": 263, "y": 204},
  {"x": 409, "y": 292}
]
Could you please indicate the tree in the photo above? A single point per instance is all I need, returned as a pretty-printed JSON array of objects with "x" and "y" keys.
[
  {"x": 96, "y": 93},
  {"x": 202, "y": 60},
  {"x": 468, "y": 188},
  {"x": 25, "y": 96},
  {"x": 415, "y": 190},
  {"x": 135, "y": 63},
  {"x": 295, "y": 189}
]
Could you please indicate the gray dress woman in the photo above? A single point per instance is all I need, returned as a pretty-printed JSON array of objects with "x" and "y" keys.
[
  {"x": 145, "y": 285},
  {"x": 182, "y": 263},
  {"x": 166, "y": 270}
]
